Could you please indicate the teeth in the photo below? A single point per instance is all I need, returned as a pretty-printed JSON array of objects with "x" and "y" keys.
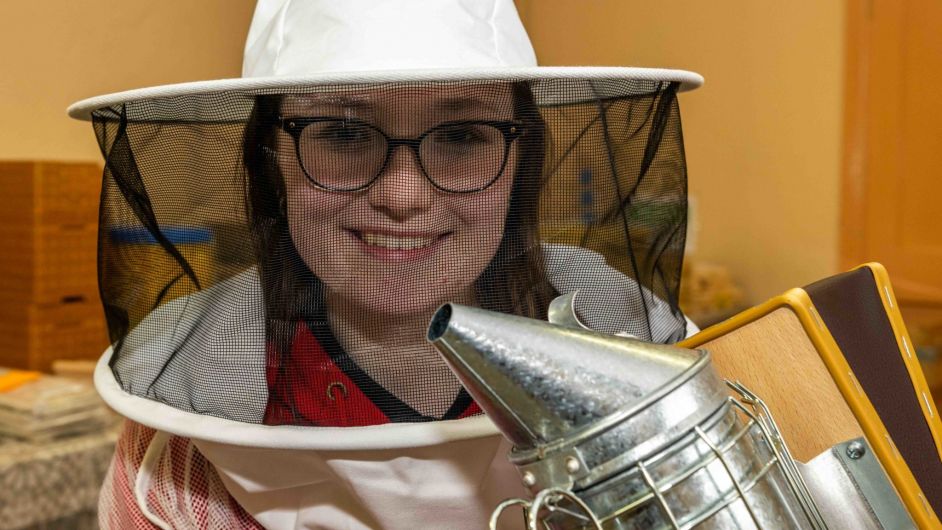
[{"x": 397, "y": 242}]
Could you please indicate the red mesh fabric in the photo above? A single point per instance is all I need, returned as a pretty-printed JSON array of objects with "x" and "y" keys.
[{"x": 184, "y": 490}]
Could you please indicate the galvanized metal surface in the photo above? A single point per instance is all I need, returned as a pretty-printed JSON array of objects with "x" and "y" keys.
[
  {"x": 540, "y": 382},
  {"x": 562, "y": 312},
  {"x": 726, "y": 473},
  {"x": 720, "y": 475}
]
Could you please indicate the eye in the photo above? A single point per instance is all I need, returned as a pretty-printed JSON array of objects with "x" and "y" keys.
[
  {"x": 341, "y": 135},
  {"x": 463, "y": 135}
]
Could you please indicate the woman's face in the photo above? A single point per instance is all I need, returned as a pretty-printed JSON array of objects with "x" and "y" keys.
[{"x": 401, "y": 246}]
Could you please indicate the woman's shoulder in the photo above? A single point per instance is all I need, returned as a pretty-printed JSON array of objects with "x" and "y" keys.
[
  {"x": 192, "y": 351},
  {"x": 609, "y": 300},
  {"x": 183, "y": 489}
]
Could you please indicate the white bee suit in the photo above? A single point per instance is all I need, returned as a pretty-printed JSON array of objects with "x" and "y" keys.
[{"x": 453, "y": 484}]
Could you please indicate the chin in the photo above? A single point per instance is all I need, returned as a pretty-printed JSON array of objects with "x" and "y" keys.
[{"x": 409, "y": 301}]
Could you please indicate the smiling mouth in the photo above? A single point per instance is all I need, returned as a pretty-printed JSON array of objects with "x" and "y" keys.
[{"x": 393, "y": 242}]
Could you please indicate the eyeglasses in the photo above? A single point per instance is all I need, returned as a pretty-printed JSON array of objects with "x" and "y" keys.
[{"x": 342, "y": 154}]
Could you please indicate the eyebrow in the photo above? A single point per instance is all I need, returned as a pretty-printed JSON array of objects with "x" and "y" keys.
[
  {"x": 336, "y": 101},
  {"x": 452, "y": 104},
  {"x": 354, "y": 103},
  {"x": 463, "y": 103}
]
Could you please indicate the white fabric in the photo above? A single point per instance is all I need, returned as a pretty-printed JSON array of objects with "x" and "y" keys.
[
  {"x": 308, "y": 37},
  {"x": 313, "y": 44},
  {"x": 552, "y": 85},
  {"x": 598, "y": 285},
  {"x": 166, "y": 417},
  {"x": 144, "y": 475},
  {"x": 454, "y": 485}
]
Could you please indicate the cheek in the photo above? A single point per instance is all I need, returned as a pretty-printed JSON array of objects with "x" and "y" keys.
[
  {"x": 312, "y": 215},
  {"x": 496, "y": 200},
  {"x": 308, "y": 213},
  {"x": 484, "y": 215}
]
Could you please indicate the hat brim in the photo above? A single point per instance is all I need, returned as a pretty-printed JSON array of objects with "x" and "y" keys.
[{"x": 552, "y": 86}]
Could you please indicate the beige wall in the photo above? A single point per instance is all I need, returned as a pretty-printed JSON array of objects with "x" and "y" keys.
[
  {"x": 56, "y": 52},
  {"x": 763, "y": 135}
]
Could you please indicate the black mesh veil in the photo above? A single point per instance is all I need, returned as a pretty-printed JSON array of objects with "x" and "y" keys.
[{"x": 273, "y": 256}]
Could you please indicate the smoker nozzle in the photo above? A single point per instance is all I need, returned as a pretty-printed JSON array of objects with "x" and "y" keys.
[{"x": 540, "y": 382}]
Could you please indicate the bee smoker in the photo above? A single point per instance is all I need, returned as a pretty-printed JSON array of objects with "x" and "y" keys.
[{"x": 616, "y": 433}]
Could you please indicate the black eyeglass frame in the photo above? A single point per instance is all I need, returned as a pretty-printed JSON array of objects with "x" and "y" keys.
[{"x": 294, "y": 126}]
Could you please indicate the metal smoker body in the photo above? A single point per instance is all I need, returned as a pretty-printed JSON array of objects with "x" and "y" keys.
[{"x": 615, "y": 433}]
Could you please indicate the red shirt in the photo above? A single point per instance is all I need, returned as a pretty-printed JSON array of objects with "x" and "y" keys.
[{"x": 318, "y": 384}]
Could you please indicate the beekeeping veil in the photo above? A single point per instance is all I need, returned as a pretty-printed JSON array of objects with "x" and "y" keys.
[{"x": 272, "y": 247}]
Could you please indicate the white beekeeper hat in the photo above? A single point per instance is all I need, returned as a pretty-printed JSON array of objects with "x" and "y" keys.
[{"x": 296, "y": 44}]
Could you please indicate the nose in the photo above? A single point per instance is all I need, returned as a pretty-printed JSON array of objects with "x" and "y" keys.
[{"x": 401, "y": 191}]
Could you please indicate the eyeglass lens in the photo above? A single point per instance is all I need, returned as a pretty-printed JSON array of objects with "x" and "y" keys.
[{"x": 348, "y": 155}]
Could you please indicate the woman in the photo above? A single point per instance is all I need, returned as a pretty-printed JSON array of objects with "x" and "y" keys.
[
  {"x": 390, "y": 221},
  {"x": 371, "y": 165}
]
